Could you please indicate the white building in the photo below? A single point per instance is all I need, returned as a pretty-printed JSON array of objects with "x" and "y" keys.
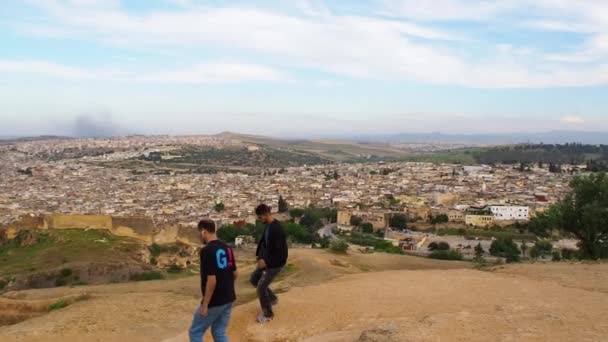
[{"x": 510, "y": 212}]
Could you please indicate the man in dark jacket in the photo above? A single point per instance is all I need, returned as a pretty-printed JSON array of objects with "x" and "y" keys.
[{"x": 272, "y": 256}]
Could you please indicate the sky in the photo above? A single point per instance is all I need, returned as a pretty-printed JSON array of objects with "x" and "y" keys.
[{"x": 297, "y": 68}]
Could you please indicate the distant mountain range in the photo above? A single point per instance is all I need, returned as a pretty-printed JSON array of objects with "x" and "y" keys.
[{"x": 551, "y": 137}]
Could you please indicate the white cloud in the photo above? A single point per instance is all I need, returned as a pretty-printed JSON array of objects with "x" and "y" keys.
[
  {"x": 439, "y": 10},
  {"x": 572, "y": 120},
  {"x": 347, "y": 45},
  {"x": 217, "y": 72}
]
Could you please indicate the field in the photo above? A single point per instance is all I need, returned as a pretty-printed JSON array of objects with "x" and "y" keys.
[{"x": 354, "y": 297}]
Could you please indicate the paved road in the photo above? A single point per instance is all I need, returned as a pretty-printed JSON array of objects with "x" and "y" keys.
[{"x": 327, "y": 231}]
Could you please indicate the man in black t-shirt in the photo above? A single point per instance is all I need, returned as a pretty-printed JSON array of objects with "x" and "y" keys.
[{"x": 218, "y": 274}]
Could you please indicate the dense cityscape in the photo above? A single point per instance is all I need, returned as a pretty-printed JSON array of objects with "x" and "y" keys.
[{"x": 36, "y": 181}]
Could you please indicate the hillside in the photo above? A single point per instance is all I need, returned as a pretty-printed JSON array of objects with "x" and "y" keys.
[
  {"x": 358, "y": 297},
  {"x": 595, "y": 157},
  {"x": 336, "y": 150},
  {"x": 75, "y": 257}
]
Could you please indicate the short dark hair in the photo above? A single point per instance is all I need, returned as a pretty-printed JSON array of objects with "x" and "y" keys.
[
  {"x": 262, "y": 209},
  {"x": 207, "y": 225}
]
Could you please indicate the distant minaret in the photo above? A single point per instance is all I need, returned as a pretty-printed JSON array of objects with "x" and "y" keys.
[{"x": 484, "y": 187}]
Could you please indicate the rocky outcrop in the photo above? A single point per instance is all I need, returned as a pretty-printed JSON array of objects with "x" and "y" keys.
[{"x": 93, "y": 273}]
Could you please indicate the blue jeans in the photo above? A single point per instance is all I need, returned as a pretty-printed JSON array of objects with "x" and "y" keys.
[{"x": 217, "y": 318}]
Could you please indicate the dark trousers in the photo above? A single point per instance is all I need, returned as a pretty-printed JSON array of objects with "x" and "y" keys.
[{"x": 261, "y": 279}]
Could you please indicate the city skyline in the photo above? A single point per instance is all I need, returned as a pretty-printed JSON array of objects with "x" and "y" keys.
[{"x": 320, "y": 68}]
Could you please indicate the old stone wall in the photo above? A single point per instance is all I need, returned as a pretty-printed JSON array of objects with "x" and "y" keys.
[{"x": 140, "y": 228}]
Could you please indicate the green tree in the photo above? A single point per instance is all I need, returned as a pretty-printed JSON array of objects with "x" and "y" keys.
[
  {"x": 283, "y": 206},
  {"x": 441, "y": 218},
  {"x": 228, "y": 233},
  {"x": 298, "y": 233},
  {"x": 505, "y": 248},
  {"x": 219, "y": 207},
  {"x": 543, "y": 223},
  {"x": 296, "y": 212},
  {"x": 398, "y": 221},
  {"x": 155, "y": 249},
  {"x": 355, "y": 221},
  {"x": 584, "y": 214},
  {"x": 258, "y": 230},
  {"x": 367, "y": 228}
]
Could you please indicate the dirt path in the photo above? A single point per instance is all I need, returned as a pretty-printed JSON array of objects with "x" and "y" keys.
[{"x": 339, "y": 298}]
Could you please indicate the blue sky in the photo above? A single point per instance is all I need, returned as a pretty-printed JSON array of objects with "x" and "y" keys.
[{"x": 303, "y": 68}]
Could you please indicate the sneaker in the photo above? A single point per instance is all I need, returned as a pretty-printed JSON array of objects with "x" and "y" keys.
[{"x": 263, "y": 319}]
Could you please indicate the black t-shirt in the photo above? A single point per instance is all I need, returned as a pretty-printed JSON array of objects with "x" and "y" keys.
[{"x": 218, "y": 259}]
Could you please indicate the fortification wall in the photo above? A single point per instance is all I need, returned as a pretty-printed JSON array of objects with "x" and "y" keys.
[
  {"x": 188, "y": 235},
  {"x": 57, "y": 221},
  {"x": 140, "y": 228}
]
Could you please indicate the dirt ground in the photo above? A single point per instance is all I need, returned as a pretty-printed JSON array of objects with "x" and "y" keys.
[{"x": 375, "y": 297}]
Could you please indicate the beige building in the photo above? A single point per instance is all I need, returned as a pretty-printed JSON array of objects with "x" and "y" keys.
[
  {"x": 479, "y": 220},
  {"x": 378, "y": 219},
  {"x": 456, "y": 215}
]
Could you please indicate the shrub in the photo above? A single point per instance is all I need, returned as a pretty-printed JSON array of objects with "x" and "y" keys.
[
  {"x": 439, "y": 246},
  {"x": 219, "y": 207},
  {"x": 443, "y": 246},
  {"x": 174, "y": 268},
  {"x": 155, "y": 249},
  {"x": 66, "y": 272},
  {"x": 540, "y": 249},
  {"x": 323, "y": 242},
  {"x": 153, "y": 261},
  {"x": 479, "y": 251},
  {"x": 556, "y": 256},
  {"x": 446, "y": 255},
  {"x": 145, "y": 276},
  {"x": 296, "y": 212},
  {"x": 569, "y": 254},
  {"x": 505, "y": 248},
  {"x": 338, "y": 246},
  {"x": 3, "y": 284},
  {"x": 57, "y": 305}
]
